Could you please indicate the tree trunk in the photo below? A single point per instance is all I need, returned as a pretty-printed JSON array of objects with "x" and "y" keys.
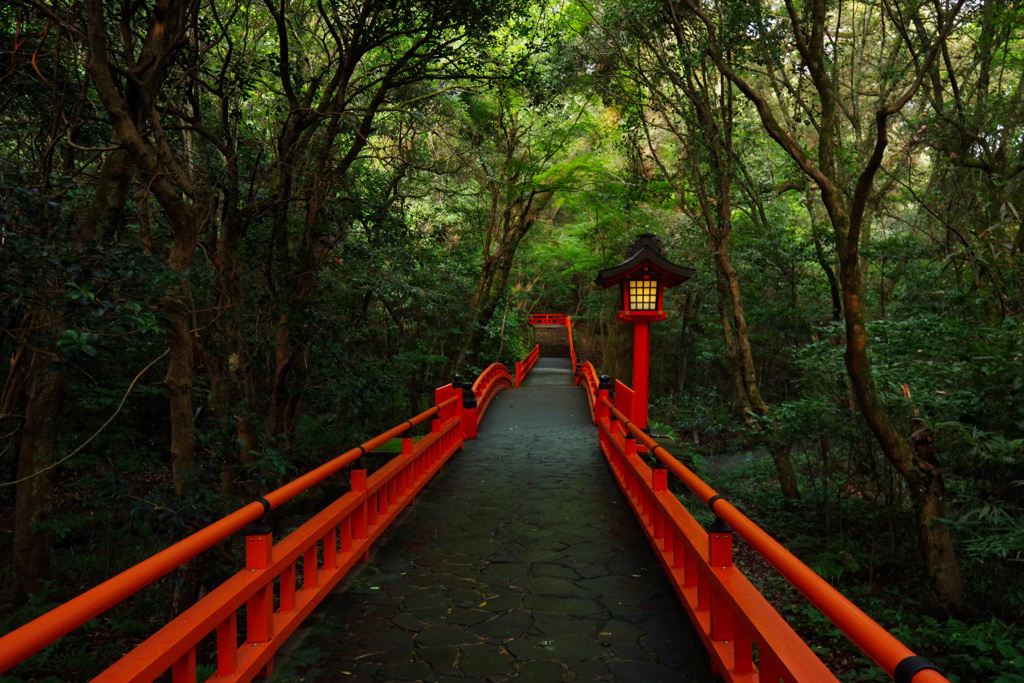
[
  {"x": 922, "y": 473},
  {"x": 715, "y": 126},
  {"x": 11, "y": 406},
  {"x": 780, "y": 451},
  {"x": 37, "y": 451},
  {"x": 105, "y": 214},
  {"x": 516, "y": 222},
  {"x": 178, "y": 380},
  {"x": 824, "y": 260},
  {"x": 937, "y": 546},
  {"x": 731, "y": 354},
  {"x": 744, "y": 355},
  {"x": 277, "y": 417}
]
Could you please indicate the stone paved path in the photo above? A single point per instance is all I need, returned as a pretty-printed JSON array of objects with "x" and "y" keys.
[{"x": 519, "y": 562}]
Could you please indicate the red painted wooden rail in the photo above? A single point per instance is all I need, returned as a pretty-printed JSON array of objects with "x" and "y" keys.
[
  {"x": 328, "y": 546},
  {"x": 524, "y": 366},
  {"x": 572, "y": 346},
  {"x": 731, "y": 616},
  {"x": 588, "y": 379},
  {"x": 491, "y": 381},
  {"x": 547, "y": 318}
]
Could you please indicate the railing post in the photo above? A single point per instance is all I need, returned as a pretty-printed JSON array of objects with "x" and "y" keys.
[
  {"x": 604, "y": 392},
  {"x": 602, "y": 414},
  {"x": 457, "y": 390},
  {"x": 442, "y": 394},
  {"x": 720, "y": 557},
  {"x": 259, "y": 551},
  {"x": 468, "y": 409},
  {"x": 360, "y": 530},
  {"x": 720, "y": 544}
]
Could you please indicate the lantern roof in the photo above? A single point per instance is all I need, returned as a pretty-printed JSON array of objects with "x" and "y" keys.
[{"x": 645, "y": 252}]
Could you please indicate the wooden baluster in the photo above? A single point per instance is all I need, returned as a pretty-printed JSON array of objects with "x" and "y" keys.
[
  {"x": 227, "y": 645},
  {"x": 184, "y": 670}
]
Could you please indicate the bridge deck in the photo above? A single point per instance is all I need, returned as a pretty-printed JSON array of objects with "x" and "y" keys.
[{"x": 520, "y": 561}]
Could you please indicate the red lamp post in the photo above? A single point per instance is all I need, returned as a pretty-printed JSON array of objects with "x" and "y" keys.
[{"x": 643, "y": 278}]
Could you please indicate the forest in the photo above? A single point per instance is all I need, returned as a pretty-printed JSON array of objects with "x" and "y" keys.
[{"x": 237, "y": 238}]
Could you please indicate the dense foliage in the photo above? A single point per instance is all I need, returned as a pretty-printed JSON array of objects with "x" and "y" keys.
[{"x": 236, "y": 238}]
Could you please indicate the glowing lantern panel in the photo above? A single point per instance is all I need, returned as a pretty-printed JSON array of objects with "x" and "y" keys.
[{"x": 643, "y": 294}]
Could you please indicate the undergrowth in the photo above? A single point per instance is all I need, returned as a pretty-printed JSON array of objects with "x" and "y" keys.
[{"x": 874, "y": 562}]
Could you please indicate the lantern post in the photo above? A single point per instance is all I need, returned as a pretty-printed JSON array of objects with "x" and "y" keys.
[{"x": 643, "y": 278}]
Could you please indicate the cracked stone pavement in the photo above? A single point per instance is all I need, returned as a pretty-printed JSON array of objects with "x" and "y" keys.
[{"x": 520, "y": 561}]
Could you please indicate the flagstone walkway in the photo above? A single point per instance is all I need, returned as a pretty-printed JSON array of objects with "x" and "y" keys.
[{"x": 520, "y": 562}]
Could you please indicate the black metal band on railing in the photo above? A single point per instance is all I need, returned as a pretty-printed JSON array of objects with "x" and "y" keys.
[
  {"x": 259, "y": 526},
  {"x": 362, "y": 450},
  {"x": 408, "y": 423},
  {"x": 266, "y": 506},
  {"x": 910, "y": 667},
  {"x": 714, "y": 499}
]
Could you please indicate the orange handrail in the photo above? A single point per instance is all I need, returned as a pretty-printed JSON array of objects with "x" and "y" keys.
[
  {"x": 572, "y": 347},
  {"x": 524, "y": 366},
  {"x": 493, "y": 379},
  {"x": 547, "y": 318},
  {"x": 587, "y": 377},
  {"x": 37, "y": 634},
  {"x": 880, "y": 645},
  {"x": 341, "y": 534}
]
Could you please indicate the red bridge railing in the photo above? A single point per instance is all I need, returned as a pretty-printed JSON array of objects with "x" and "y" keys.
[
  {"x": 731, "y": 616},
  {"x": 491, "y": 381},
  {"x": 524, "y": 366},
  {"x": 729, "y": 613},
  {"x": 572, "y": 346},
  {"x": 555, "y": 319},
  {"x": 327, "y": 546},
  {"x": 548, "y": 318},
  {"x": 587, "y": 378}
]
